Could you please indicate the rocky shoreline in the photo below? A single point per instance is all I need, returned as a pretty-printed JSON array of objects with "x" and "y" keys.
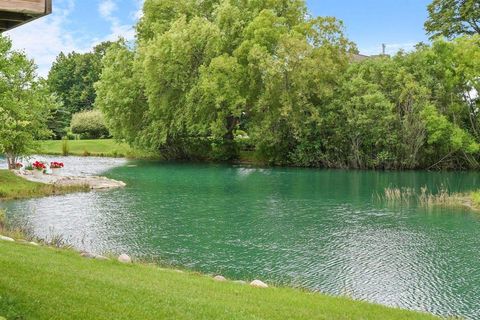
[
  {"x": 126, "y": 259},
  {"x": 92, "y": 182}
]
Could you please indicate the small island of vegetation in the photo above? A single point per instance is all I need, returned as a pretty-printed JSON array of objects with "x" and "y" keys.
[{"x": 14, "y": 187}]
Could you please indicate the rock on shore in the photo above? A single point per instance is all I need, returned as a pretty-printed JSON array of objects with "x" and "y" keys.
[
  {"x": 93, "y": 182},
  {"x": 258, "y": 284},
  {"x": 124, "y": 258}
]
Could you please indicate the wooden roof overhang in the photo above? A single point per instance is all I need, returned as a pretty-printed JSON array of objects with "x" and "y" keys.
[{"x": 14, "y": 13}]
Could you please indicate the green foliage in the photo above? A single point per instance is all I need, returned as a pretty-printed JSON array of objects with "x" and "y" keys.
[
  {"x": 59, "y": 121},
  {"x": 25, "y": 104},
  {"x": 120, "y": 95},
  {"x": 89, "y": 124},
  {"x": 451, "y": 18},
  {"x": 202, "y": 70},
  {"x": 72, "y": 78},
  {"x": 406, "y": 112}
]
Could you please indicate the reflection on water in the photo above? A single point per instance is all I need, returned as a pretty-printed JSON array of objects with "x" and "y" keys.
[{"x": 311, "y": 228}]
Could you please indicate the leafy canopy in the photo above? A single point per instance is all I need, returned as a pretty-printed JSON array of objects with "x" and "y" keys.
[
  {"x": 25, "y": 103},
  {"x": 452, "y": 18},
  {"x": 206, "y": 69}
]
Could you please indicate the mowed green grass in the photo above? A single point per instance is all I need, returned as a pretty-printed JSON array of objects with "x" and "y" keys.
[
  {"x": 100, "y": 147},
  {"x": 46, "y": 283},
  {"x": 13, "y": 187}
]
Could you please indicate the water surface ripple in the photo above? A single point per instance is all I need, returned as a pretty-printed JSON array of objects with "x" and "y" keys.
[{"x": 318, "y": 229}]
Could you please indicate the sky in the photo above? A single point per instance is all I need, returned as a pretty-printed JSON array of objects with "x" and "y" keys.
[{"x": 78, "y": 25}]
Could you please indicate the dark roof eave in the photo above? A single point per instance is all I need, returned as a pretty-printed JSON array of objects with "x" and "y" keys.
[{"x": 10, "y": 19}]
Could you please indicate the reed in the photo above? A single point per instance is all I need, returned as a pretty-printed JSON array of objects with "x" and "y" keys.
[{"x": 425, "y": 198}]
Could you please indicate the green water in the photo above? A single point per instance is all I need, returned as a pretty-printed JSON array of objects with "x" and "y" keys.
[{"x": 317, "y": 229}]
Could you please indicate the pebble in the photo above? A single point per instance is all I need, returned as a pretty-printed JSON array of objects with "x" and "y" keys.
[
  {"x": 219, "y": 278},
  {"x": 258, "y": 284},
  {"x": 3, "y": 238},
  {"x": 124, "y": 258},
  {"x": 34, "y": 244}
]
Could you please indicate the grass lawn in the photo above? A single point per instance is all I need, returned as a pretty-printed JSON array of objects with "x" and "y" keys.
[
  {"x": 103, "y": 148},
  {"x": 46, "y": 283},
  {"x": 13, "y": 187}
]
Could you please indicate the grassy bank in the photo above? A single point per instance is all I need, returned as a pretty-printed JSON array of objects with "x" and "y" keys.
[
  {"x": 101, "y": 148},
  {"x": 13, "y": 187},
  {"x": 44, "y": 283}
]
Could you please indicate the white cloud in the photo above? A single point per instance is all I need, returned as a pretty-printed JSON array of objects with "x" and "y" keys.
[
  {"x": 44, "y": 38},
  {"x": 107, "y": 9},
  {"x": 138, "y": 14}
]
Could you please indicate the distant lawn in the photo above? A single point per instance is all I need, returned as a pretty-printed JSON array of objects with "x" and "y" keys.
[
  {"x": 13, "y": 187},
  {"x": 43, "y": 283},
  {"x": 102, "y": 148}
]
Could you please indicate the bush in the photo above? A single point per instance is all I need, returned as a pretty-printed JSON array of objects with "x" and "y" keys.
[{"x": 89, "y": 124}]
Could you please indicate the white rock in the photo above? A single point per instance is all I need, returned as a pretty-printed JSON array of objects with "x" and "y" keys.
[
  {"x": 124, "y": 258},
  {"x": 6, "y": 239},
  {"x": 239, "y": 282},
  {"x": 219, "y": 278},
  {"x": 34, "y": 244},
  {"x": 258, "y": 284},
  {"x": 87, "y": 255},
  {"x": 99, "y": 257}
]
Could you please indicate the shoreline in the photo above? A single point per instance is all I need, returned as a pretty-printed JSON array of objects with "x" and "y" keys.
[
  {"x": 91, "y": 182},
  {"x": 85, "y": 287},
  {"x": 139, "y": 262}
]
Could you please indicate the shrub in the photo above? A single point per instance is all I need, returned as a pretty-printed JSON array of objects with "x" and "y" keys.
[{"x": 89, "y": 124}]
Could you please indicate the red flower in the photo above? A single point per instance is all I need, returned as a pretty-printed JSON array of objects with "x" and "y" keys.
[
  {"x": 56, "y": 165},
  {"x": 39, "y": 165}
]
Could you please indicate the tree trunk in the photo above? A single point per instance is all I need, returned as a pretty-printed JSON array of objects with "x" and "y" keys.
[
  {"x": 229, "y": 146},
  {"x": 11, "y": 160}
]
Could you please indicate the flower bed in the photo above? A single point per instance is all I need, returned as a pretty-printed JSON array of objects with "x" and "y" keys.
[{"x": 56, "y": 165}]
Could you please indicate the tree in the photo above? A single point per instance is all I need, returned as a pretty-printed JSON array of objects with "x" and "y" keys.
[
  {"x": 73, "y": 75},
  {"x": 452, "y": 18},
  {"x": 201, "y": 65},
  {"x": 215, "y": 104},
  {"x": 120, "y": 95},
  {"x": 200, "y": 71},
  {"x": 25, "y": 104}
]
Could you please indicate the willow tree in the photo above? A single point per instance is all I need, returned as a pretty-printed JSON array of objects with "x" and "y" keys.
[
  {"x": 121, "y": 94},
  {"x": 25, "y": 104},
  {"x": 209, "y": 68}
]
